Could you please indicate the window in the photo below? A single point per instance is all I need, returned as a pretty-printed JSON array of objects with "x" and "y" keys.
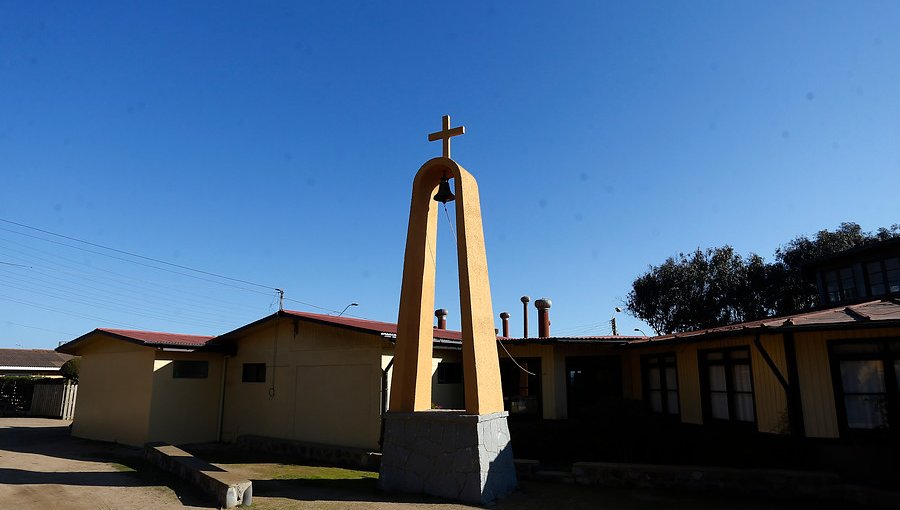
[
  {"x": 521, "y": 389},
  {"x": 866, "y": 378},
  {"x": 661, "y": 383},
  {"x": 876, "y": 278},
  {"x": 884, "y": 276},
  {"x": 840, "y": 285},
  {"x": 182, "y": 369},
  {"x": 254, "y": 372},
  {"x": 892, "y": 274},
  {"x": 727, "y": 384},
  {"x": 449, "y": 373}
]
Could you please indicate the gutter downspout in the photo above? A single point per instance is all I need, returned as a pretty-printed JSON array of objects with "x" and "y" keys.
[
  {"x": 222, "y": 399},
  {"x": 384, "y": 401}
]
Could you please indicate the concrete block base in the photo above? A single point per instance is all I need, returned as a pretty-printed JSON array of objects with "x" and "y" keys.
[{"x": 449, "y": 454}]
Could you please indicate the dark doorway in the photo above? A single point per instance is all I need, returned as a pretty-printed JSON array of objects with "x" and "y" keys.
[
  {"x": 593, "y": 386},
  {"x": 521, "y": 390}
]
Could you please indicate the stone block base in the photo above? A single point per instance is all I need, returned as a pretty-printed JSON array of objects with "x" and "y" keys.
[{"x": 449, "y": 454}]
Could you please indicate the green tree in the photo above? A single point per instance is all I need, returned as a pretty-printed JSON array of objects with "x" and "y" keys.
[
  {"x": 70, "y": 369},
  {"x": 717, "y": 287}
]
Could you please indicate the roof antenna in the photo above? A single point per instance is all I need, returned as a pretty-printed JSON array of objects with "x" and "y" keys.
[{"x": 280, "y": 299}]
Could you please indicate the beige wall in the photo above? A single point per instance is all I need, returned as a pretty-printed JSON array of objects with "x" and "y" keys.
[
  {"x": 114, "y": 391},
  {"x": 327, "y": 385},
  {"x": 185, "y": 410}
]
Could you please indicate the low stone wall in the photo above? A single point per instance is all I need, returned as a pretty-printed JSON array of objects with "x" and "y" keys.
[
  {"x": 780, "y": 484},
  {"x": 320, "y": 453},
  {"x": 229, "y": 489}
]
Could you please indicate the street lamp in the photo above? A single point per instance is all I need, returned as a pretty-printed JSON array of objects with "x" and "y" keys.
[
  {"x": 346, "y": 307},
  {"x": 612, "y": 322}
]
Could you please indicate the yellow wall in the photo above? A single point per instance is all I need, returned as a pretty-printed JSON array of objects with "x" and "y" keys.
[
  {"x": 553, "y": 370},
  {"x": 770, "y": 399},
  {"x": 446, "y": 396},
  {"x": 327, "y": 385},
  {"x": 114, "y": 391},
  {"x": 185, "y": 410}
]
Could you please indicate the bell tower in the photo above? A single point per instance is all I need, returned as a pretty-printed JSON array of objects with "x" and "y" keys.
[{"x": 463, "y": 455}]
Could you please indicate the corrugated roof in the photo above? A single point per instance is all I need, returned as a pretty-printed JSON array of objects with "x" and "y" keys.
[
  {"x": 159, "y": 338},
  {"x": 33, "y": 358},
  {"x": 147, "y": 338},
  {"x": 873, "y": 313}
]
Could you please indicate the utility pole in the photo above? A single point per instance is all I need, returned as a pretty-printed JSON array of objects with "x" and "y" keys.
[{"x": 280, "y": 299}]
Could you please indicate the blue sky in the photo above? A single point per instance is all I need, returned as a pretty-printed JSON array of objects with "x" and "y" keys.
[{"x": 276, "y": 142}]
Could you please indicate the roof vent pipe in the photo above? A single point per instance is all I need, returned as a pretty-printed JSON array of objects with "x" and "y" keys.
[
  {"x": 525, "y": 300},
  {"x": 543, "y": 306},
  {"x": 504, "y": 316},
  {"x": 441, "y": 314}
]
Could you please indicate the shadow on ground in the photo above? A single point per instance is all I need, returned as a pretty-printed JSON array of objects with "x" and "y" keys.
[{"x": 35, "y": 437}]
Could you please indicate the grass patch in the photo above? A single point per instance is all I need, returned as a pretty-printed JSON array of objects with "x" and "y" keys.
[
  {"x": 299, "y": 472},
  {"x": 122, "y": 468}
]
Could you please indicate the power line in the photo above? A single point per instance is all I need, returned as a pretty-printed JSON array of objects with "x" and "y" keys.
[
  {"x": 152, "y": 259},
  {"x": 56, "y": 310},
  {"x": 11, "y": 323},
  {"x": 136, "y": 262},
  {"x": 208, "y": 273},
  {"x": 16, "y": 265},
  {"x": 126, "y": 281}
]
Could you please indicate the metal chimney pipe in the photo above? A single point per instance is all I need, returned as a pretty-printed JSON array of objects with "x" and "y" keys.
[
  {"x": 441, "y": 314},
  {"x": 543, "y": 305},
  {"x": 525, "y": 300},
  {"x": 505, "y": 318}
]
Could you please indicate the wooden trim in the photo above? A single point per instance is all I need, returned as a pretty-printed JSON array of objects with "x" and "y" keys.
[
  {"x": 794, "y": 395},
  {"x": 769, "y": 361}
]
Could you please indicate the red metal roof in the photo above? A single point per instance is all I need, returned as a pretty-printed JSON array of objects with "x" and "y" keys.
[
  {"x": 444, "y": 334},
  {"x": 147, "y": 338},
  {"x": 368, "y": 325}
]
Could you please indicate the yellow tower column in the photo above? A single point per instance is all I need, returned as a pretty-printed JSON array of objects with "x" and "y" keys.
[
  {"x": 411, "y": 384},
  {"x": 476, "y": 465}
]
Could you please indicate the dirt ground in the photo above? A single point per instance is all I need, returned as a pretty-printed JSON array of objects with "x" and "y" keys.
[{"x": 42, "y": 467}]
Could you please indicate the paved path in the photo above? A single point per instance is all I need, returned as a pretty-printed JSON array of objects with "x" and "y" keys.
[{"x": 42, "y": 467}]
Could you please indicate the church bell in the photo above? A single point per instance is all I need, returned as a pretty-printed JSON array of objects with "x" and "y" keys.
[{"x": 444, "y": 193}]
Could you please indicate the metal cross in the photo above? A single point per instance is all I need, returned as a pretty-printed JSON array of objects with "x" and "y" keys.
[{"x": 446, "y": 133}]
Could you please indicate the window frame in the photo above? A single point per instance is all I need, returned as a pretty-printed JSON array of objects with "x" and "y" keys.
[
  {"x": 883, "y": 270},
  {"x": 180, "y": 369},
  {"x": 256, "y": 371},
  {"x": 844, "y": 294},
  {"x": 657, "y": 360},
  {"x": 447, "y": 372},
  {"x": 887, "y": 357},
  {"x": 728, "y": 363},
  {"x": 530, "y": 391}
]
